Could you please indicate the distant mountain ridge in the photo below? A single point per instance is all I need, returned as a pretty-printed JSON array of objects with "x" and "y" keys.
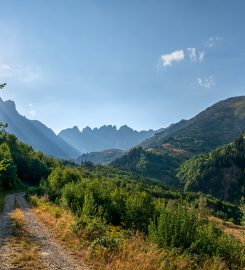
[
  {"x": 70, "y": 143},
  {"x": 103, "y": 138},
  {"x": 34, "y": 133},
  {"x": 217, "y": 125},
  {"x": 103, "y": 157},
  {"x": 160, "y": 155}
]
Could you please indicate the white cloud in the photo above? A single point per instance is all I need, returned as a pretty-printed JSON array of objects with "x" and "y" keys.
[
  {"x": 175, "y": 56},
  {"x": 20, "y": 73},
  {"x": 206, "y": 82},
  {"x": 32, "y": 113},
  {"x": 5, "y": 70},
  {"x": 192, "y": 53},
  {"x": 213, "y": 40},
  {"x": 201, "y": 56},
  {"x": 196, "y": 55}
]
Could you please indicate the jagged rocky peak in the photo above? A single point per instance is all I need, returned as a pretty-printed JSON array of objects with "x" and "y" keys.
[
  {"x": 125, "y": 127},
  {"x": 87, "y": 130},
  {"x": 76, "y": 129},
  {"x": 105, "y": 137},
  {"x": 9, "y": 104}
]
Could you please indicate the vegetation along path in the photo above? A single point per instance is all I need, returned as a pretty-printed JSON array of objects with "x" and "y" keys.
[{"x": 52, "y": 254}]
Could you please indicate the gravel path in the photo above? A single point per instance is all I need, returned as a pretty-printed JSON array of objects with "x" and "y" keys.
[{"x": 53, "y": 254}]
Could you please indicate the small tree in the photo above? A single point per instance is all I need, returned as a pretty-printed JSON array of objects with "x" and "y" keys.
[
  {"x": 2, "y": 85},
  {"x": 3, "y": 126}
]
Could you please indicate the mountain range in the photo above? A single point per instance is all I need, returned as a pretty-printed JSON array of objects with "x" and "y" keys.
[
  {"x": 69, "y": 143},
  {"x": 159, "y": 156},
  {"x": 103, "y": 138}
]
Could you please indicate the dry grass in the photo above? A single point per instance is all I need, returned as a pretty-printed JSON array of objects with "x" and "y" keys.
[
  {"x": 23, "y": 253},
  {"x": 59, "y": 221},
  {"x": 136, "y": 253},
  {"x": 233, "y": 229},
  {"x": 133, "y": 253}
]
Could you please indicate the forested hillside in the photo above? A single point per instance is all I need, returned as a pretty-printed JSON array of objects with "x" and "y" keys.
[
  {"x": 158, "y": 166},
  {"x": 20, "y": 164},
  {"x": 219, "y": 172},
  {"x": 166, "y": 150},
  {"x": 102, "y": 157}
]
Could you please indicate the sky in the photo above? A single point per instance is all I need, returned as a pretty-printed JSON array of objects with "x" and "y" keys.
[{"x": 144, "y": 63}]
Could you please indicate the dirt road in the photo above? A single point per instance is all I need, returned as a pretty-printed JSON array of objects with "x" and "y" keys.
[{"x": 52, "y": 253}]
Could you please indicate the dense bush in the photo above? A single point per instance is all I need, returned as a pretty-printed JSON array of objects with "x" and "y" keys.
[
  {"x": 182, "y": 227},
  {"x": 8, "y": 172},
  {"x": 171, "y": 220}
]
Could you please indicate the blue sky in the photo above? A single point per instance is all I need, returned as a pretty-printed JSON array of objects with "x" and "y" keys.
[{"x": 142, "y": 63}]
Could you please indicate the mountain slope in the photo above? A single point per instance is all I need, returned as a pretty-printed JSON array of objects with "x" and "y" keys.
[
  {"x": 166, "y": 150},
  {"x": 34, "y": 133},
  {"x": 217, "y": 125},
  {"x": 160, "y": 167},
  {"x": 220, "y": 172},
  {"x": 102, "y": 157},
  {"x": 105, "y": 137}
]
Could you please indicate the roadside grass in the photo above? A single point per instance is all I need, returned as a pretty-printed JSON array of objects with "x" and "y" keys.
[
  {"x": 24, "y": 254},
  {"x": 119, "y": 249}
]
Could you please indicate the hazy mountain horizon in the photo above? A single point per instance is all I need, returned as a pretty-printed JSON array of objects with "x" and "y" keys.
[
  {"x": 103, "y": 138},
  {"x": 43, "y": 138}
]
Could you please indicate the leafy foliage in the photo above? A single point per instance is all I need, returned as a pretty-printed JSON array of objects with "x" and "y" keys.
[
  {"x": 19, "y": 163},
  {"x": 101, "y": 200},
  {"x": 181, "y": 227}
]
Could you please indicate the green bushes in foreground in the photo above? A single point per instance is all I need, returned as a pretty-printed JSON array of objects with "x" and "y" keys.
[
  {"x": 104, "y": 203},
  {"x": 180, "y": 226}
]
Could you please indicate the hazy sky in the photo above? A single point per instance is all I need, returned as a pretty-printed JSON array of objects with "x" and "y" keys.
[{"x": 142, "y": 63}]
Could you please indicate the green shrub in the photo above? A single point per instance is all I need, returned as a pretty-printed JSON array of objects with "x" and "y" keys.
[
  {"x": 181, "y": 227},
  {"x": 60, "y": 176},
  {"x": 91, "y": 228},
  {"x": 138, "y": 211}
]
